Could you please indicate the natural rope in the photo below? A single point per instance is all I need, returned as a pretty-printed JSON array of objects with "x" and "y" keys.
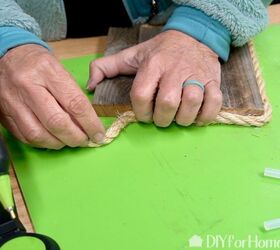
[
  {"x": 223, "y": 117},
  {"x": 122, "y": 121}
]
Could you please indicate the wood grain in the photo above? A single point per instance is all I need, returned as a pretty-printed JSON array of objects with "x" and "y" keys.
[
  {"x": 239, "y": 85},
  {"x": 20, "y": 204},
  {"x": 70, "y": 48},
  {"x": 274, "y": 14},
  {"x": 116, "y": 91}
]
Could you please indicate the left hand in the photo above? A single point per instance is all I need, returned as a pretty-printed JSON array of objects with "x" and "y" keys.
[{"x": 161, "y": 65}]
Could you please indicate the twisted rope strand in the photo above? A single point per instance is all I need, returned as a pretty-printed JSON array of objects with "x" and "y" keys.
[
  {"x": 121, "y": 122},
  {"x": 223, "y": 117}
]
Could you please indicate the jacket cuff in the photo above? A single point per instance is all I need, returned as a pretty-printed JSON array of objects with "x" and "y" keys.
[
  {"x": 11, "y": 37},
  {"x": 203, "y": 28}
]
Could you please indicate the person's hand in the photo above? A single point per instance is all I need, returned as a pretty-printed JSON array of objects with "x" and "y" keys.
[
  {"x": 41, "y": 104},
  {"x": 163, "y": 64}
]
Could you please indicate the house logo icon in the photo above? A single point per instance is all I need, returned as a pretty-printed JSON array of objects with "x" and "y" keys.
[{"x": 195, "y": 241}]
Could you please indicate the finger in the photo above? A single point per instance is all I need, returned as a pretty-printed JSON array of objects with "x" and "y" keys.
[
  {"x": 75, "y": 103},
  {"x": 10, "y": 124},
  {"x": 212, "y": 104},
  {"x": 32, "y": 130},
  {"x": 54, "y": 118},
  {"x": 113, "y": 65},
  {"x": 190, "y": 104},
  {"x": 143, "y": 91},
  {"x": 168, "y": 100}
]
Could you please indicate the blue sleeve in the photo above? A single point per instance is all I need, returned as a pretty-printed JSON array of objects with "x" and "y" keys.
[
  {"x": 201, "y": 27},
  {"x": 11, "y": 37}
]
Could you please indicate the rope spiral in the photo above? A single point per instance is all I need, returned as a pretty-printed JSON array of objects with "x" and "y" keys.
[{"x": 223, "y": 117}]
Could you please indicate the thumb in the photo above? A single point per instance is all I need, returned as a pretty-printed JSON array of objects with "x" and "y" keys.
[{"x": 110, "y": 66}]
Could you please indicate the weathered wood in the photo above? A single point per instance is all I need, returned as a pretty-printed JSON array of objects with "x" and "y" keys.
[
  {"x": 147, "y": 32},
  {"x": 112, "y": 95},
  {"x": 239, "y": 85},
  {"x": 241, "y": 94}
]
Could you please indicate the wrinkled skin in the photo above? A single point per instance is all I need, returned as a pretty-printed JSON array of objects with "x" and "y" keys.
[
  {"x": 42, "y": 105},
  {"x": 40, "y": 102},
  {"x": 161, "y": 66}
]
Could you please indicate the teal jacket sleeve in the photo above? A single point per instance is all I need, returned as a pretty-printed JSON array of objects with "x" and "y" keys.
[
  {"x": 11, "y": 37},
  {"x": 202, "y": 27},
  {"x": 17, "y": 28},
  {"x": 243, "y": 19},
  {"x": 12, "y": 15}
]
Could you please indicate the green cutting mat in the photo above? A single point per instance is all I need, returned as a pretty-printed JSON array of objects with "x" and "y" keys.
[{"x": 152, "y": 188}]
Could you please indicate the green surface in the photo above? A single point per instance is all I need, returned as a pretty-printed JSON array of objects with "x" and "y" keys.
[
  {"x": 152, "y": 189},
  {"x": 24, "y": 243}
]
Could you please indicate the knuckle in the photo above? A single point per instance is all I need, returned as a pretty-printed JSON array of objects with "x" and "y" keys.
[
  {"x": 78, "y": 105},
  {"x": 128, "y": 57},
  {"x": 217, "y": 98},
  {"x": 57, "y": 121},
  {"x": 34, "y": 135},
  {"x": 139, "y": 97},
  {"x": 168, "y": 103},
  {"x": 192, "y": 97},
  {"x": 20, "y": 78},
  {"x": 99, "y": 65},
  {"x": 46, "y": 60}
]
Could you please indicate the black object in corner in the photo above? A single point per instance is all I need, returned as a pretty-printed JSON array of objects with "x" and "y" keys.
[
  {"x": 13, "y": 228},
  {"x": 86, "y": 18}
]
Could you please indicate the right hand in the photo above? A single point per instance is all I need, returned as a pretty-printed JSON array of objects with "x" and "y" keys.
[{"x": 41, "y": 104}]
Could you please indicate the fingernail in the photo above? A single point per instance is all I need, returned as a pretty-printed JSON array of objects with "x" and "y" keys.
[
  {"x": 89, "y": 84},
  {"x": 90, "y": 88},
  {"x": 99, "y": 138}
]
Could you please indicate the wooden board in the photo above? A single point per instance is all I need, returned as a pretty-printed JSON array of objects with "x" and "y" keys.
[
  {"x": 239, "y": 86},
  {"x": 76, "y": 47},
  {"x": 273, "y": 11},
  {"x": 20, "y": 204}
]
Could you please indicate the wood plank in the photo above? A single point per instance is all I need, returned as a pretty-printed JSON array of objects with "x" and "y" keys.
[
  {"x": 20, "y": 204},
  {"x": 116, "y": 91},
  {"x": 71, "y": 48},
  {"x": 147, "y": 32},
  {"x": 274, "y": 14},
  {"x": 239, "y": 86}
]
